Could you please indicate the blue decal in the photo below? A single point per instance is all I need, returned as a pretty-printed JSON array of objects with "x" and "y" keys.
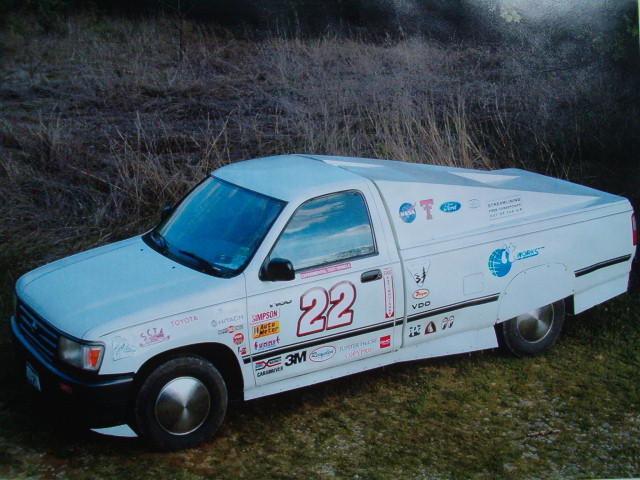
[
  {"x": 499, "y": 262},
  {"x": 407, "y": 212},
  {"x": 501, "y": 259},
  {"x": 448, "y": 207}
]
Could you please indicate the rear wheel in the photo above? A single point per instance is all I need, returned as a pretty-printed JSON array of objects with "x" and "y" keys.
[
  {"x": 181, "y": 404},
  {"x": 534, "y": 332}
]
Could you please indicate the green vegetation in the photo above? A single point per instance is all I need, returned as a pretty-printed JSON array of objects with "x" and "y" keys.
[{"x": 103, "y": 121}]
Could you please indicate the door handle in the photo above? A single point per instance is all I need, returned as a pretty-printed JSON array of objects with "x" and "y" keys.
[{"x": 371, "y": 276}]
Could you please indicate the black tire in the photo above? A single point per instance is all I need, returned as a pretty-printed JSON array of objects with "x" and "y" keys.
[
  {"x": 534, "y": 332},
  {"x": 181, "y": 404}
]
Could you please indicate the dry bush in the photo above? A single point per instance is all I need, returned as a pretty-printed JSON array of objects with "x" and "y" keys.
[{"x": 101, "y": 126}]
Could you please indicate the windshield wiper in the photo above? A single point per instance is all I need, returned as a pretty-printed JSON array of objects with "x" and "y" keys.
[
  {"x": 204, "y": 263},
  {"x": 159, "y": 240}
]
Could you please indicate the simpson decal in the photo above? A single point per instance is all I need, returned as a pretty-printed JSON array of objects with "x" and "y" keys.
[{"x": 265, "y": 316}]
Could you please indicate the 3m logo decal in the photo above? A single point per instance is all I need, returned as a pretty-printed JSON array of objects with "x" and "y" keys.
[{"x": 295, "y": 358}]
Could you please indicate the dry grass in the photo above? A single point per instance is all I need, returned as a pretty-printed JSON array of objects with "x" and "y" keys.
[{"x": 102, "y": 125}]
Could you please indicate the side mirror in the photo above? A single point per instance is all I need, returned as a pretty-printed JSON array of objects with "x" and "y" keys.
[
  {"x": 165, "y": 212},
  {"x": 277, "y": 270}
]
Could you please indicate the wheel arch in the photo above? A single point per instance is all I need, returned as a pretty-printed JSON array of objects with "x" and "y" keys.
[
  {"x": 221, "y": 356},
  {"x": 535, "y": 287}
]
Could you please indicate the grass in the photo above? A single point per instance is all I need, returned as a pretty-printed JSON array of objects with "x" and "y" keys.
[
  {"x": 572, "y": 413},
  {"x": 105, "y": 122}
]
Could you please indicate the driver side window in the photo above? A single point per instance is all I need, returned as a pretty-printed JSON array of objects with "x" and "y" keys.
[{"x": 327, "y": 229}]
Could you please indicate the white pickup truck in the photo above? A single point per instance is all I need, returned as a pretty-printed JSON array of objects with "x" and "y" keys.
[{"x": 281, "y": 272}]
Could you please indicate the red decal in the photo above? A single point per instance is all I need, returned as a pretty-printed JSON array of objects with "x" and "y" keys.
[
  {"x": 324, "y": 270},
  {"x": 389, "y": 299},
  {"x": 427, "y": 204},
  {"x": 238, "y": 338},
  {"x": 385, "y": 341},
  {"x": 431, "y": 328},
  {"x": 343, "y": 294},
  {"x": 314, "y": 302}
]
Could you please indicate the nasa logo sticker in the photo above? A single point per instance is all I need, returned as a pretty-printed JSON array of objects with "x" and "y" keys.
[{"x": 407, "y": 212}]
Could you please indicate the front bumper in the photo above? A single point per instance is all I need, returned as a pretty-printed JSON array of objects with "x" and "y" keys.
[{"x": 93, "y": 400}]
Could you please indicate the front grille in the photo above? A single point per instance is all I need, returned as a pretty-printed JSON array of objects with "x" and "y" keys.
[{"x": 40, "y": 335}]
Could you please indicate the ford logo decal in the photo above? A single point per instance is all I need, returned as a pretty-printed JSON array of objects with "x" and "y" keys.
[{"x": 448, "y": 207}]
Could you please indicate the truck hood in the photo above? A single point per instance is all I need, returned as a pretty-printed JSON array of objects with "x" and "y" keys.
[{"x": 119, "y": 285}]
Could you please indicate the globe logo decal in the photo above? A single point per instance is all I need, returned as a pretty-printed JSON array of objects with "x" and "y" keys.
[
  {"x": 407, "y": 212},
  {"x": 499, "y": 262}
]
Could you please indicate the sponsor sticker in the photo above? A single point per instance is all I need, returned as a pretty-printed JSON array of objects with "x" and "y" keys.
[
  {"x": 265, "y": 329},
  {"x": 389, "y": 300},
  {"x": 230, "y": 329},
  {"x": 385, "y": 342},
  {"x": 152, "y": 336},
  {"x": 501, "y": 259},
  {"x": 419, "y": 271},
  {"x": 238, "y": 338},
  {"x": 407, "y": 212},
  {"x": 267, "y": 367},
  {"x": 419, "y": 305},
  {"x": 224, "y": 321},
  {"x": 505, "y": 207},
  {"x": 420, "y": 293},
  {"x": 322, "y": 354},
  {"x": 267, "y": 315},
  {"x": 184, "y": 321},
  {"x": 427, "y": 205},
  {"x": 450, "y": 207},
  {"x": 260, "y": 346},
  {"x": 242, "y": 350},
  {"x": 325, "y": 270},
  {"x": 447, "y": 322},
  {"x": 296, "y": 358},
  {"x": 358, "y": 349},
  {"x": 414, "y": 330},
  {"x": 430, "y": 328},
  {"x": 474, "y": 203},
  {"x": 121, "y": 348}
]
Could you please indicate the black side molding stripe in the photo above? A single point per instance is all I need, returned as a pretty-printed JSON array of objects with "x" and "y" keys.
[
  {"x": 320, "y": 341},
  {"x": 598, "y": 266},
  {"x": 454, "y": 306}
]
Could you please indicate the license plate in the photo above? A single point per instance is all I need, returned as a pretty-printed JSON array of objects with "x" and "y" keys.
[{"x": 32, "y": 377}]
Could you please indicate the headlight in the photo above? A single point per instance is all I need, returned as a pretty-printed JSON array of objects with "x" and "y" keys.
[{"x": 81, "y": 355}]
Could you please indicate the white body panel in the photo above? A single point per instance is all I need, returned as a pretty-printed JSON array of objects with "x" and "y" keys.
[{"x": 458, "y": 251}]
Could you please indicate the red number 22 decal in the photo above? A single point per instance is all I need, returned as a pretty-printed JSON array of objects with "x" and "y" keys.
[{"x": 314, "y": 303}]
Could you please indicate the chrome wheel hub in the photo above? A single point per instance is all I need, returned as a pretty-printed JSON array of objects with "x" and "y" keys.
[
  {"x": 182, "y": 405},
  {"x": 533, "y": 326}
]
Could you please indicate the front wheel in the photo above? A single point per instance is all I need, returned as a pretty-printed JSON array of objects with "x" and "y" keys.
[
  {"x": 534, "y": 332},
  {"x": 181, "y": 404}
]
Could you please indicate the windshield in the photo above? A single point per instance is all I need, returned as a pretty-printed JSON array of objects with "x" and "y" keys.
[{"x": 217, "y": 227}]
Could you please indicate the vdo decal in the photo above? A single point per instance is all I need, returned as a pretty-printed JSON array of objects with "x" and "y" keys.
[{"x": 322, "y": 310}]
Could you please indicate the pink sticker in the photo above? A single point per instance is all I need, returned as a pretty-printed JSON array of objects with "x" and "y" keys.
[{"x": 325, "y": 270}]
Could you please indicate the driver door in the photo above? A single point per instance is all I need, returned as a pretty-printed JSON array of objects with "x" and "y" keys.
[{"x": 340, "y": 306}]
